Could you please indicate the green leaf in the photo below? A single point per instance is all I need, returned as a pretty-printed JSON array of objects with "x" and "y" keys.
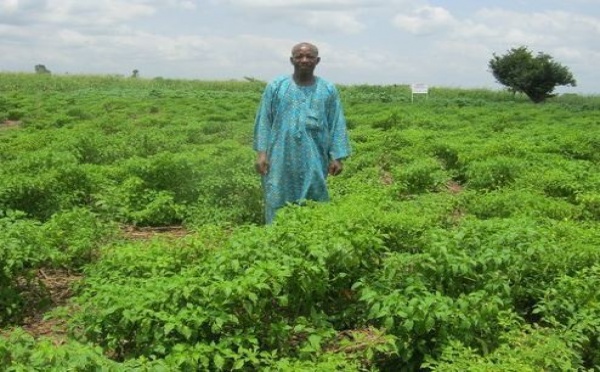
[
  {"x": 219, "y": 361},
  {"x": 253, "y": 297},
  {"x": 408, "y": 324},
  {"x": 239, "y": 364},
  {"x": 315, "y": 341}
]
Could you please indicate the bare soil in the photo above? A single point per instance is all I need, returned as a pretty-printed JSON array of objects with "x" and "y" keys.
[
  {"x": 454, "y": 187},
  {"x": 55, "y": 292},
  {"x": 146, "y": 233},
  {"x": 7, "y": 124}
]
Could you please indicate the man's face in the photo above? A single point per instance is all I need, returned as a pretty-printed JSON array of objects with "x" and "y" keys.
[{"x": 304, "y": 59}]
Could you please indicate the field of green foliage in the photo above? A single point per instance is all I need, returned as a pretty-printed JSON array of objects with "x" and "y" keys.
[{"x": 464, "y": 234}]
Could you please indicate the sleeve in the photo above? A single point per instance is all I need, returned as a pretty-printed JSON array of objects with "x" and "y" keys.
[
  {"x": 264, "y": 120},
  {"x": 339, "y": 144}
]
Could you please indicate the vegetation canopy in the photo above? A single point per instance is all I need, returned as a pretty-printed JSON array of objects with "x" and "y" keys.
[
  {"x": 463, "y": 234},
  {"x": 535, "y": 76}
]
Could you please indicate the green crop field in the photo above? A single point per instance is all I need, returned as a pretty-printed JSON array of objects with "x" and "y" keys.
[{"x": 463, "y": 235}]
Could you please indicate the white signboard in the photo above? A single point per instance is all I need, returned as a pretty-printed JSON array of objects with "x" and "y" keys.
[{"x": 418, "y": 88}]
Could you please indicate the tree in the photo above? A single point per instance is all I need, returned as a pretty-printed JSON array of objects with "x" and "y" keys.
[
  {"x": 135, "y": 73},
  {"x": 536, "y": 76},
  {"x": 41, "y": 69}
]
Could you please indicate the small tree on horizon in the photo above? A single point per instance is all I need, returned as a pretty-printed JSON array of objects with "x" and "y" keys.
[
  {"x": 41, "y": 69},
  {"x": 535, "y": 76}
]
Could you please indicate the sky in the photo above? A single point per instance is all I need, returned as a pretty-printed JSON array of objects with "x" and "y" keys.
[{"x": 438, "y": 43}]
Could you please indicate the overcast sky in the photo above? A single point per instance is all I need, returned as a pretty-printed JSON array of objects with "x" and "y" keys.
[{"x": 440, "y": 43}]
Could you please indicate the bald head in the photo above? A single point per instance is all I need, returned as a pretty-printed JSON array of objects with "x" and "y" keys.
[
  {"x": 305, "y": 57},
  {"x": 313, "y": 48}
]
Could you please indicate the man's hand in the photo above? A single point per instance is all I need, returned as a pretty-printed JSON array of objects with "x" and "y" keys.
[
  {"x": 262, "y": 164},
  {"x": 335, "y": 167}
]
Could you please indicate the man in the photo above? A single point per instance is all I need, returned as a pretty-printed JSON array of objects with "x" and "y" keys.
[{"x": 299, "y": 134}]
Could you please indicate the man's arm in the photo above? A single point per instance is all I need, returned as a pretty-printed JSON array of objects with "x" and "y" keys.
[
  {"x": 339, "y": 145},
  {"x": 262, "y": 131}
]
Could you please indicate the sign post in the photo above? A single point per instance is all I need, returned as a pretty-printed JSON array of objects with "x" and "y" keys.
[{"x": 418, "y": 88}]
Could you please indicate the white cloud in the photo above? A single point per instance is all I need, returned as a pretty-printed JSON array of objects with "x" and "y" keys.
[
  {"x": 78, "y": 12},
  {"x": 189, "y": 5},
  {"x": 20, "y": 11},
  {"x": 9, "y": 6},
  {"x": 70, "y": 38},
  {"x": 425, "y": 20},
  {"x": 304, "y": 4},
  {"x": 540, "y": 28},
  {"x": 327, "y": 20},
  {"x": 98, "y": 12},
  {"x": 318, "y": 15}
]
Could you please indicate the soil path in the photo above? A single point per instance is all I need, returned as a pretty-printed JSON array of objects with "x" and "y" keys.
[{"x": 7, "y": 124}]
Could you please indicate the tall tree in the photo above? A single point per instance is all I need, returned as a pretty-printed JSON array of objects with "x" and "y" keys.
[{"x": 535, "y": 76}]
